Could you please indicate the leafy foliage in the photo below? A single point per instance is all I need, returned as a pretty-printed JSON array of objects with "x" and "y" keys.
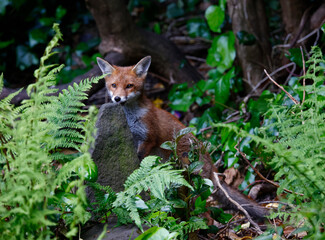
[
  {"x": 28, "y": 30},
  {"x": 298, "y": 148},
  {"x": 148, "y": 176},
  {"x": 33, "y": 189},
  {"x": 105, "y": 197}
]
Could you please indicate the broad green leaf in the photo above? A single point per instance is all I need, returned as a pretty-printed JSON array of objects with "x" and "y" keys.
[
  {"x": 157, "y": 28},
  {"x": 198, "y": 28},
  {"x": 205, "y": 85},
  {"x": 295, "y": 56},
  {"x": 185, "y": 131},
  {"x": 168, "y": 145},
  {"x": 219, "y": 215},
  {"x": 222, "y": 88},
  {"x": 199, "y": 206},
  {"x": 89, "y": 171},
  {"x": 154, "y": 233},
  {"x": 222, "y": 52},
  {"x": 183, "y": 103},
  {"x": 195, "y": 166},
  {"x": 215, "y": 17},
  {"x": 60, "y": 12}
]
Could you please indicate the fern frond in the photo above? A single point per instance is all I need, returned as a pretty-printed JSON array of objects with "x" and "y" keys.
[{"x": 148, "y": 177}]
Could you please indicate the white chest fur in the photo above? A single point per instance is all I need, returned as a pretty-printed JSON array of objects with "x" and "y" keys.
[{"x": 134, "y": 114}]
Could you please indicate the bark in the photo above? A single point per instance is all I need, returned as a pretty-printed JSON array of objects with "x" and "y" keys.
[
  {"x": 250, "y": 16},
  {"x": 300, "y": 18},
  {"x": 119, "y": 33},
  {"x": 292, "y": 12}
]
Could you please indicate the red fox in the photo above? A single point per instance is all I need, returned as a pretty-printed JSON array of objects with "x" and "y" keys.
[{"x": 152, "y": 126}]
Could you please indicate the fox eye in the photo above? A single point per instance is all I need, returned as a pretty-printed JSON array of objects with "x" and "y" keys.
[
  {"x": 114, "y": 85},
  {"x": 129, "y": 85}
]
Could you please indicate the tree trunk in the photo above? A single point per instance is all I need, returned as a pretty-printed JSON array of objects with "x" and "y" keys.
[
  {"x": 249, "y": 16},
  {"x": 119, "y": 33},
  {"x": 300, "y": 18}
]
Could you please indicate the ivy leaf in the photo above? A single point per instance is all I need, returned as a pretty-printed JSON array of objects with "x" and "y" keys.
[
  {"x": 215, "y": 17},
  {"x": 198, "y": 28},
  {"x": 183, "y": 103},
  {"x": 199, "y": 206},
  {"x": 60, "y": 12},
  {"x": 219, "y": 215},
  {"x": 295, "y": 56},
  {"x": 222, "y": 52},
  {"x": 222, "y": 88}
]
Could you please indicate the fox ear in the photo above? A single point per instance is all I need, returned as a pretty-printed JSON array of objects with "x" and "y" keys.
[
  {"x": 142, "y": 66},
  {"x": 105, "y": 66}
]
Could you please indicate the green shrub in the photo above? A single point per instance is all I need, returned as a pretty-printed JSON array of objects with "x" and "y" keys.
[
  {"x": 295, "y": 137},
  {"x": 39, "y": 185}
]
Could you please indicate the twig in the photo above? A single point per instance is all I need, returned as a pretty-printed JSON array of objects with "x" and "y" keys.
[
  {"x": 260, "y": 175},
  {"x": 304, "y": 80},
  {"x": 299, "y": 41},
  {"x": 255, "y": 170},
  {"x": 195, "y": 58},
  {"x": 271, "y": 74},
  {"x": 289, "y": 95},
  {"x": 216, "y": 177}
]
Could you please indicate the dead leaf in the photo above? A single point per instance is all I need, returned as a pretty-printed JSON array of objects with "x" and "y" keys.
[{"x": 233, "y": 177}]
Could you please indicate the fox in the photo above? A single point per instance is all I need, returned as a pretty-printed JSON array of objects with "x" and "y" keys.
[{"x": 152, "y": 126}]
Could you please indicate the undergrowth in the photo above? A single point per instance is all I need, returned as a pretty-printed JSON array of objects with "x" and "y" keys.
[
  {"x": 40, "y": 186},
  {"x": 295, "y": 136}
]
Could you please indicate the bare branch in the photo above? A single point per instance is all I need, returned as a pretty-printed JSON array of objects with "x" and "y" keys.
[
  {"x": 216, "y": 177},
  {"x": 289, "y": 95},
  {"x": 304, "y": 68}
]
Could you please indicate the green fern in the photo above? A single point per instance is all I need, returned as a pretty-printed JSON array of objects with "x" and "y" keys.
[
  {"x": 31, "y": 136},
  {"x": 105, "y": 196},
  {"x": 299, "y": 148},
  {"x": 148, "y": 177}
]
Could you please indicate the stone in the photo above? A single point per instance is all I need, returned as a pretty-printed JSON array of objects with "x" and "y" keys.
[{"x": 114, "y": 152}]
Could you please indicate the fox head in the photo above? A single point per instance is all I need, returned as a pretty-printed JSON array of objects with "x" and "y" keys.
[{"x": 124, "y": 83}]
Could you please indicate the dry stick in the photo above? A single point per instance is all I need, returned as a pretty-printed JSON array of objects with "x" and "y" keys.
[
  {"x": 271, "y": 74},
  {"x": 304, "y": 68},
  {"x": 216, "y": 177},
  {"x": 255, "y": 170},
  {"x": 289, "y": 95},
  {"x": 260, "y": 175}
]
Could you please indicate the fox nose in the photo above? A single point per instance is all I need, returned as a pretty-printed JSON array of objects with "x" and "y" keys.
[{"x": 117, "y": 99}]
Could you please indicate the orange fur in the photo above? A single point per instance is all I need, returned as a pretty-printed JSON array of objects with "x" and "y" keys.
[{"x": 152, "y": 126}]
